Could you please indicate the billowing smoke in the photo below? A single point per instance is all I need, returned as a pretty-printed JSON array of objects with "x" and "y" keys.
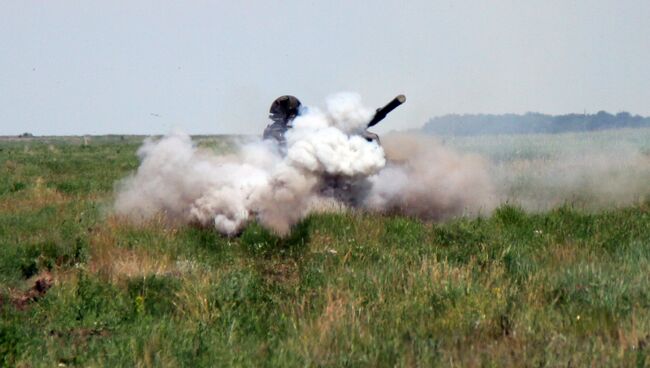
[
  {"x": 325, "y": 164},
  {"x": 430, "y": 181}
]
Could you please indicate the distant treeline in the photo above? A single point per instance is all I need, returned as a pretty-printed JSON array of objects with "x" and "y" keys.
[{"x": 531, "y": 123}]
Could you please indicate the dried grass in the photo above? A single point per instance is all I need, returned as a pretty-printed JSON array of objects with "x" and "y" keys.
[
  {"x": 33, "y": 198},
  {"x": 115, "y": 263}
]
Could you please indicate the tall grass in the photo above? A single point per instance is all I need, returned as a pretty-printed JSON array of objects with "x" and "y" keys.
[{"x": 561, "y": 287}]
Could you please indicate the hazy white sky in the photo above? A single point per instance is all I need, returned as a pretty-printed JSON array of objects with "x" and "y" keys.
[{"x": 97, "y": 67}]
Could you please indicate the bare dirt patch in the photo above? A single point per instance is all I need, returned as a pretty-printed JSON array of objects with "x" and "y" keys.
[{"x": 41, "y": 284}]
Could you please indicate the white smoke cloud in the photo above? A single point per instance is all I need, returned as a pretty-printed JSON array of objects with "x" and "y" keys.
[
  {"x": 326, "y": 164},
  {"x": 187, "y": 184},
  {"x": 347, "y": 113}
]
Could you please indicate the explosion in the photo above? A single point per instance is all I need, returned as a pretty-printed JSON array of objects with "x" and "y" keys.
[{"x": 326, "y": 164}]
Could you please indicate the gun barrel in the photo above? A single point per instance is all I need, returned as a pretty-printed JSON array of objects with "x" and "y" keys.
[{"x": 381, "y": 113}]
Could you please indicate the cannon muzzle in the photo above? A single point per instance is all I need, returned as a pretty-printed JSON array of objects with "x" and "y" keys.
[{"x": 382, "y": 112}]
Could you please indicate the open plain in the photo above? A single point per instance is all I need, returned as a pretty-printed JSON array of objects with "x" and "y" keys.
[{"x": 557, "y": 275}]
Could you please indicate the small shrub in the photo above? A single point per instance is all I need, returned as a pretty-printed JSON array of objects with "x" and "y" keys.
[{"x": 17, "y": 187}]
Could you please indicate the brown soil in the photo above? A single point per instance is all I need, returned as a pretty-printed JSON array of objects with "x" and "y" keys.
[{"x": 42, "y": 284}]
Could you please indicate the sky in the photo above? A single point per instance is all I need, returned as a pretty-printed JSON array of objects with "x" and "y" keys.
[{"x": 214, "y": 67}]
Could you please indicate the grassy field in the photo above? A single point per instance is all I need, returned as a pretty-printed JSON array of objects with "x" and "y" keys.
[{"x": 81, "y": 287}]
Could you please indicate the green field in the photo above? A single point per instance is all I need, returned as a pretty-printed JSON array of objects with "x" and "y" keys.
[{"x": 559, "y": 277}]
